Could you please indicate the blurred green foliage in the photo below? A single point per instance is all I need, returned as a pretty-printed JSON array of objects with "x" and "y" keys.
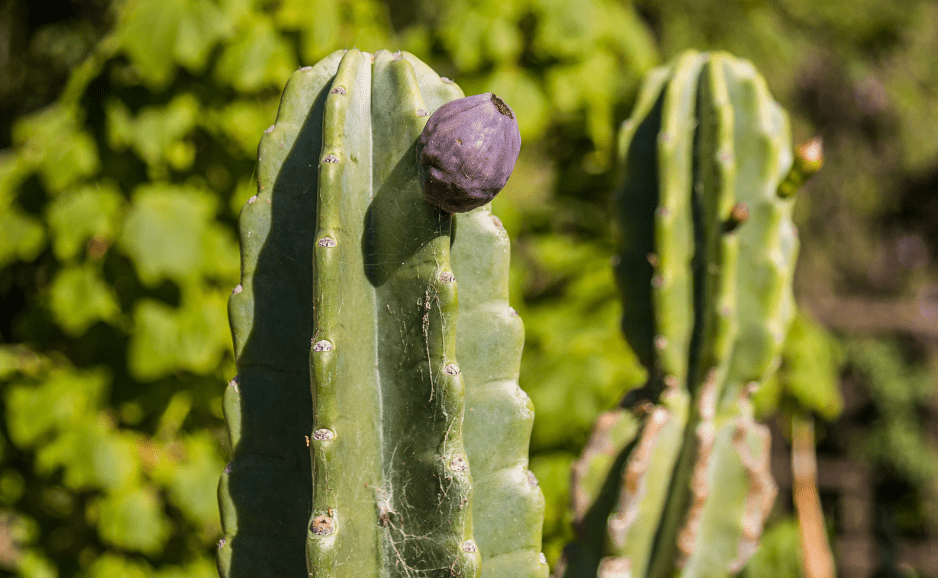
[
  {"x": 118, "y": 203},
  {"x": 779, "y": 554},
  {"x": 897, "y": 442}
]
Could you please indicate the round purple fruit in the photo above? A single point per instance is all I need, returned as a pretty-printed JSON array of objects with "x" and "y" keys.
[{"x": 467, "y": 152}]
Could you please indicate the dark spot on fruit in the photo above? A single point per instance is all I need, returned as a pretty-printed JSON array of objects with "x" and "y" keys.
[{"x": 502, "y": 107}]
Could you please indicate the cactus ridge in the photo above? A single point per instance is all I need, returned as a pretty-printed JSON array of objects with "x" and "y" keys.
[
  {"x": 265, "y": 491},
  {"x": 509, "y": 506},
  {"x": 393, "y": 490},
  {"x": 707, "y": 256}
]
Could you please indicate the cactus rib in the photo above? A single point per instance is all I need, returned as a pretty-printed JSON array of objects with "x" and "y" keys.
[{"x": 509, "y": 505}]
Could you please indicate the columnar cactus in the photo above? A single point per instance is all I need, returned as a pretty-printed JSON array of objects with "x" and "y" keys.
[
  {"x": 679, "y": 478},
  {"x": 349, "y": 282}
]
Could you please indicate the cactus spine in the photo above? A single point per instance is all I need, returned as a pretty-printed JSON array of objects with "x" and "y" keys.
[
  {"x": 681, "y": 480},
  {"x": 349, "y": 281}
]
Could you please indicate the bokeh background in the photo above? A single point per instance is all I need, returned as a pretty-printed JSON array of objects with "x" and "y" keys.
[{"x": 128, "y": 136}]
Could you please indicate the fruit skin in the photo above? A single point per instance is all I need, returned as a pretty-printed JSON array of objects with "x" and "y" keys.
[{"x": 467, "y": 152}]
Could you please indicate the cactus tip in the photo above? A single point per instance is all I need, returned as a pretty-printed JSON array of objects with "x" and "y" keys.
[{"x": 812, "y": 151}]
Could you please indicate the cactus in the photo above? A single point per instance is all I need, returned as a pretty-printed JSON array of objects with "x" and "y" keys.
[
  {"x": 349, "y": 283},
  {"x": 678, "y": 479}
]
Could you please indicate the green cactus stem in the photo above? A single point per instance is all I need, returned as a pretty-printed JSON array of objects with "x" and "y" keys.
[
  {"x": 369, "y": 475},
  {"x": 705, "y": 268}
]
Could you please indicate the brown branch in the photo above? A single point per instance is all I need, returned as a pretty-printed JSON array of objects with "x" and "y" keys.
[{"x": 818, "y": 560}]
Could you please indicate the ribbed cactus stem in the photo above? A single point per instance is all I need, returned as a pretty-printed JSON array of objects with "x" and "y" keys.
[
  {"x": 392, "y": 490},
  {"x": 363, "y": 275},
  {"x": 265, "y": 491},
  {"x": 707, "y": 255}
]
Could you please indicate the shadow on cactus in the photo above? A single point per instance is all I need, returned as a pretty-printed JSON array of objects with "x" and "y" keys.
[
  {"x": 677, "y": 480},
  {"x": 366, "y": 391}
]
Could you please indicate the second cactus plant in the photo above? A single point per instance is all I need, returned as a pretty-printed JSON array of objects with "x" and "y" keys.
[{"x": 678, "y": 480}]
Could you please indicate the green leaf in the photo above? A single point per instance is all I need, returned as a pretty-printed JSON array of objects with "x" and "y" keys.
[
  {"x": 191, "y": 482},
  {"x": 503, "y": 41},
  {"x": 242, "y": 122},
  {"x": 79, "y": 297},
  {"x": 203, "y": 568},
  {"x": 17, "y": 358},
  {"x": 14, "y": 169},
  {"x": 463, "y": 33},
  {"x": 35, "y": 565},
  {"x": 193, "y": 337},
  {"x": 187, "y": 31},
  {"x": 779, "y": 554},
  {"x": 54, "y": 142},
  {"x": 258, "y": 58},
  {"x": 166, "y": 231},
  {"x": 111, "y": 565},
  {"x": 567, "y": 29},
  {"x": 79, "y": 215},
  {"x": 92, "y": 454},
  {"x": 320, "y": 34},
  {"x": 63, "y": 398},
  {"x": 12, "y": 486},
  {"x": 22, "y": 236},
  {"x": 157, "y": 134},
  {"x": 133, "y": 520},
  {"x": 574, "y": 338},
  {"x": 201, "y": 27}
]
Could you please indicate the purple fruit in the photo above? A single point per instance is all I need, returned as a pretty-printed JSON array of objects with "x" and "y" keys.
[{"x": 467, "y": 152}]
